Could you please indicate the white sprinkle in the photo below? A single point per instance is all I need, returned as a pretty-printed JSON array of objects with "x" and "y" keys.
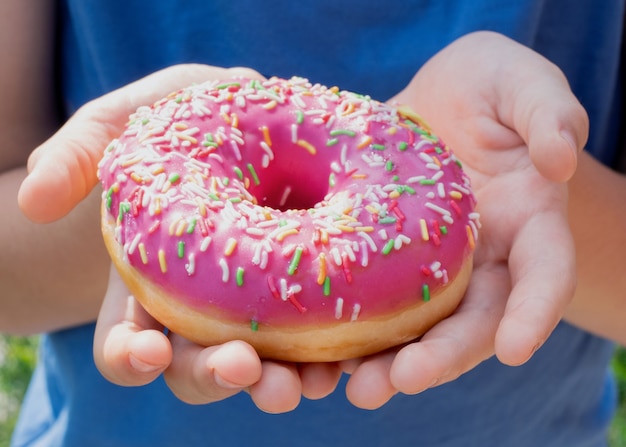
[
  {"x": 356, "y": 310},
  {"x": 437, "y": 209},
  {"x": 191, "y": 266},
  {"x": 294, "y": 133},
  {"x": 368, "y": 240},
  {"x": 236, "y": 150},
  {"x": 364, "y": 254},
  {"x": 383, "y": 234},
  {"x": 339, "y": 308},
  {"x": 225, "y": 270},
  {"x": 134, "y": 243},
  {"x": 205, "y": 244},
  {"x": 285, "y": 195},
  {"x": 284, "y": 291}
]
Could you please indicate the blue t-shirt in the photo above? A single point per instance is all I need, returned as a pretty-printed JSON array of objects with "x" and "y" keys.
[{"x": 563, "y": 396}]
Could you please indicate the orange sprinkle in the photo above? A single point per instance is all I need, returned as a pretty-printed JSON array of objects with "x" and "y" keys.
[
  {"x": 266, "y": 135},
  {"x": 158, "y": 170},
  {"x": 321, "y": 277},
  {"x": 234, "y": 120},
  {"x": 284, "y": 234},
  {"x": 470, "y": 237},
  {"x": 157, "y": 205},
  {"x": 308, "y": 146},
  {"x": 180, "y": 126},
  {"x": 270, "y": 105},
  {"x": 324, "y": 236},
  {"x": 359, "y": 176},
  {"x": 364, "y": 142}
]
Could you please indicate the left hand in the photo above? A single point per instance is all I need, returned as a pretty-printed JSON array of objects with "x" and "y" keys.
[{"x": 512, "y": 120}]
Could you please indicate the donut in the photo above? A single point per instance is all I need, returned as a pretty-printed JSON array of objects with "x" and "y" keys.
[{"x": 316, "y": 224}]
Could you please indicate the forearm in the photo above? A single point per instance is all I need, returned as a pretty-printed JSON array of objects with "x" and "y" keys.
[
  {"x": 51, "y": 276},
  {"x": 598, "y": 220}
]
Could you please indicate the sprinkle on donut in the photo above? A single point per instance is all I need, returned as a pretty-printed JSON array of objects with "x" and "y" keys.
[{"x": 282, "y": 202}]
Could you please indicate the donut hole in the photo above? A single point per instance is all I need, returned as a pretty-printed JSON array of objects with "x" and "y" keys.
[{"x": 293, "y": 189}]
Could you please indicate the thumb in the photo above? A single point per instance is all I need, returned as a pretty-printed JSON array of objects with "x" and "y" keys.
[{"x": 63, "y": 170}]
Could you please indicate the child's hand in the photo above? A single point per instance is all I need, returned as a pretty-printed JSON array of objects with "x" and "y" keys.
[
  {"x": 510, "y": 116},
  {"x": 130, "y": 347}
]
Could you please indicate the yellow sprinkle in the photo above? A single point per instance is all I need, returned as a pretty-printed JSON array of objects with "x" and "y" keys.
[
  {"x": 321, "y": 277},
  {"x": 345, "y": 228},
  {"x": 182, "y": 226},
  {"x": 308, "y": 146},
  {"x": 392, "y": 130},
  {"x": 456, "y": 195},
  {"x": 142, "y": 253},
  {"x": 136, "y": 178},
  {"x": 234, "y": 120},
  {"x": 201, "y": 207},
  {"x": 284, "y": 234},
  {"x": 266, "y": 135},
  {"x": 366, "y": 229},
  {"x": 394, "y": 194},
  {"x": 182, "y": 136},
  {"x": 407, "y": 112},
  {"x": 470, "y": 237},
  {"x": 226, "y": 118},
  {"x": 162, "y": 262},
  {"x": 157, "y": 205},
  {"x": 364, "y": 142},
  {"x": 437, "y": 162},
  {"x": 131, "y": 161},
  {"x": 348, "y": 110},
  {"x": 424, "y": 229},
  {"x": 231, "y": 244},
  {"x": 359, "y": 176},
  {"x": 270, "y": 105},
  {"x": 180, "y": 126}
]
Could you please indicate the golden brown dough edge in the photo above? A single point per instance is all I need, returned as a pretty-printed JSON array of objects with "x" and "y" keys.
[{"x": 326, "y": 343}]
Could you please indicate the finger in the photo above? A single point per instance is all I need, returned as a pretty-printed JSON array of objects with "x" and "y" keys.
[
  {"x": 369, "y": 387},
  {"x": 63, "y": 169},
  {"x": 543, "y": 254},
  {"x": 279, "y": 389},
  {"x": 319, "y": 379},
  {"x": 200, "y": 375},
  {"x": 553, "y": 124},
  {"x": 129, "y": 348},
  {"x": 458, "y": 343}
]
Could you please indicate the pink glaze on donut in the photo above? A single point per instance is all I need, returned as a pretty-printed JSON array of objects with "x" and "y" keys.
[{"x": 281, "y": 202}]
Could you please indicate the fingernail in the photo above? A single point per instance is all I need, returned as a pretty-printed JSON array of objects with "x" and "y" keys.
[
  {"x": 222, "y": 383},
  {"x": 570, "y": 140},
  {"x": 142, "y": 366}
]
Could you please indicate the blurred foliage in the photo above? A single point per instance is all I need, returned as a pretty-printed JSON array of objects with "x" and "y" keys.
[{"x": 17, "y": 361}]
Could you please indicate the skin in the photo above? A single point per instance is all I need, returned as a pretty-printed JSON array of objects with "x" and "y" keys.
[{"x": 510, "y": 138}]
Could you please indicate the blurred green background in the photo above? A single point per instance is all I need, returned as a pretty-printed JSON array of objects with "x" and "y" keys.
[{"x": 18, "y": 356}]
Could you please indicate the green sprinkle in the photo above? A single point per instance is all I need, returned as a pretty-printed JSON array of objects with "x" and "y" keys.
[
  {"x": 378, "y": 147},
  {"x": 181, "y": 249},
  {"x": 427, "y": 181},
  {"x": 338, "y": 132},
  {"x": 282, "y": 222},
  {"x": 110, "y": 193},
  {"x": 388, "y": 246},
  {"x": 425, "y": 292},
  {"x": 214, "y": 196},
  {"x": 299, "y": 117},
  {"x": 444, "y": 229},
  {"x": 332, "y": 142},
  {"x": 192, "y": 225},
  {"x": 174, "y": 178},
  {"x": 332, "y": 180},
  {"x": 239, "y": 276},
  {"x": 327, "y": 286},
  {"x": 254, "y": 325},
  {"x": 124, "y": 208},
  {"x": 387, "y": 220},
  {"x": 295, "y": 261},
  {"x": 227, "y": 85},
  {"x": 238, "y": 172},
  {"x": 389, "y": 166},
  {"x": 145, "y": 121},
  {"x": 408, "y": 189},
  {"x": 403, "y": 146},
  {"x": 235, "y": 200},
  {"x": 254, "y": 175},
  {"x": 225, "y": 181}
]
